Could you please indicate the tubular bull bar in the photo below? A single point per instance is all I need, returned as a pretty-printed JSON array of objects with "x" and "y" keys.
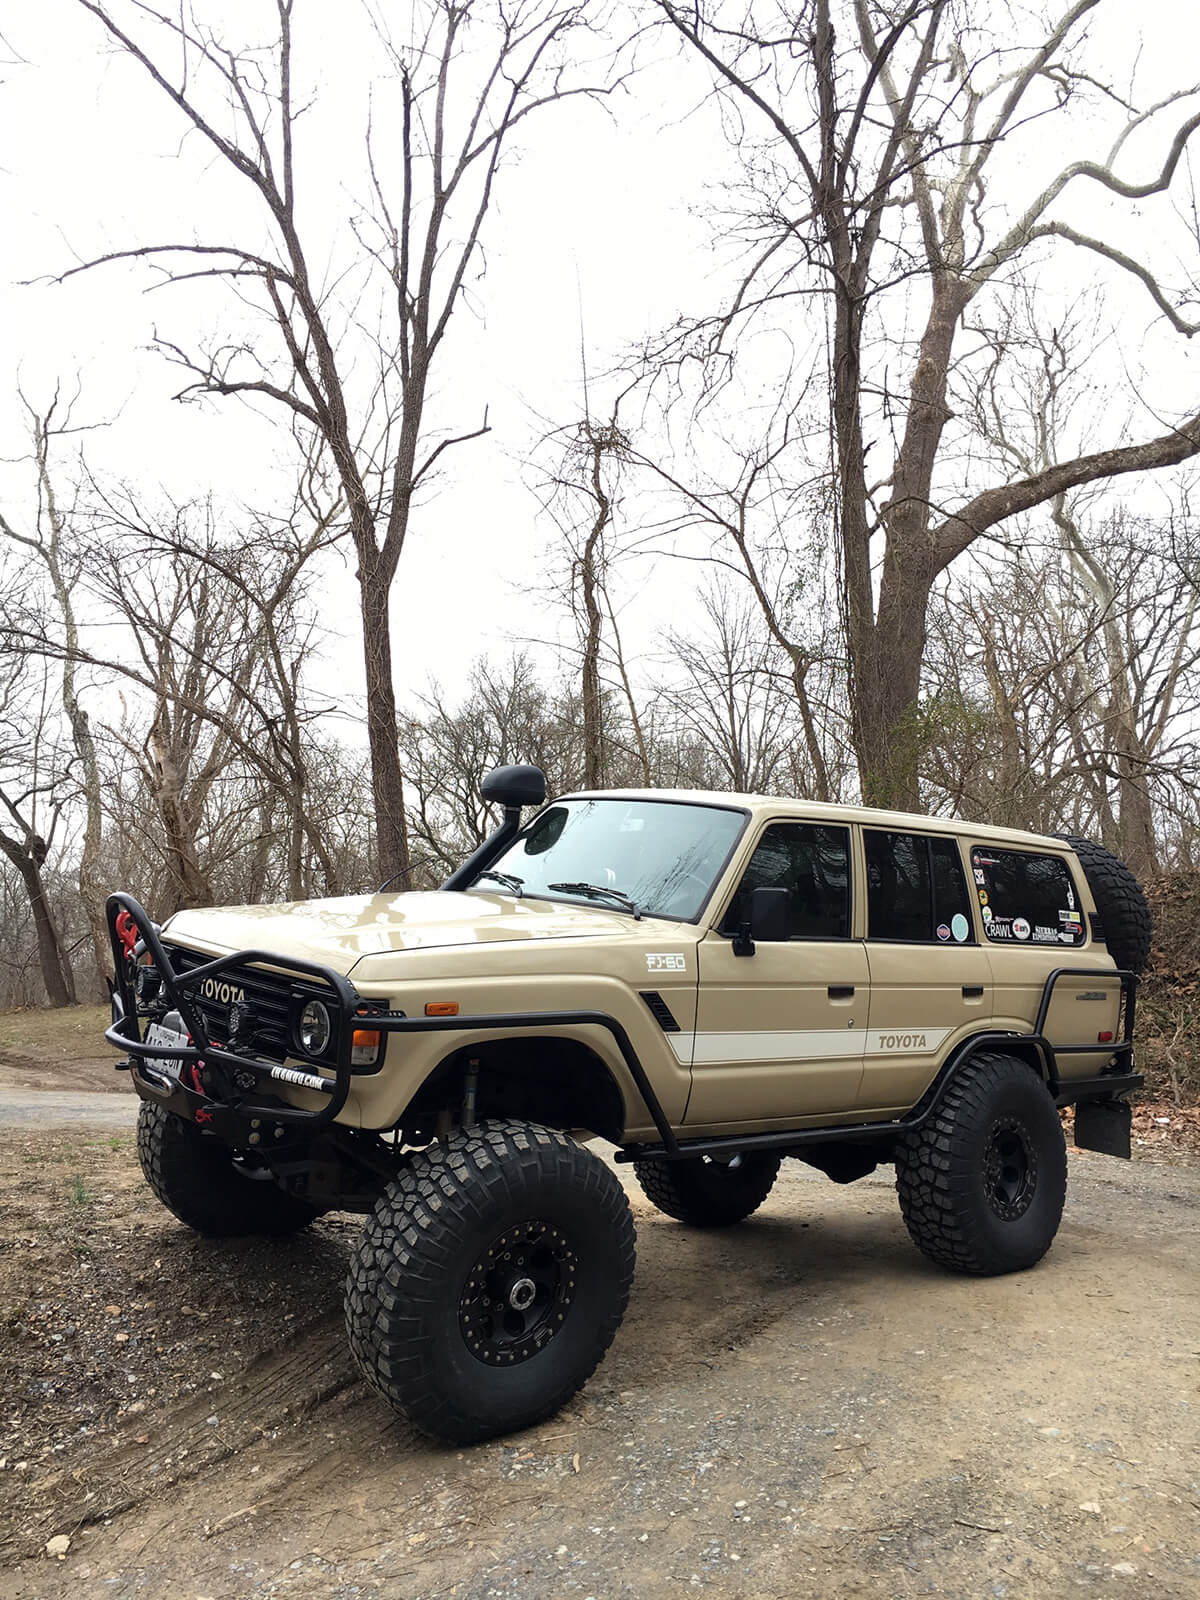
[{"x": 131, "y": 932}]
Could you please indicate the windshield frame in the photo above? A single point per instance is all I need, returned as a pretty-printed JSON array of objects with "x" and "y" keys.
[{"x": 650, "y": 798}]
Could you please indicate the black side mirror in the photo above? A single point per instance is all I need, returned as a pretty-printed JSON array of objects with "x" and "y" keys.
[
  {"x": 770, "y": 920},
  {"x": 515, "y": 786}
]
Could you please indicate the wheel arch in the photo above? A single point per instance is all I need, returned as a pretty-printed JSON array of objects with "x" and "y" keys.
[
  {"x": 1023, "y": 1046},
  {"x": 545, "y": 1078}
]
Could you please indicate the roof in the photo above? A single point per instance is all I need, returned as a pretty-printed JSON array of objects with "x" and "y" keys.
[{"x": 761, "y": 805}]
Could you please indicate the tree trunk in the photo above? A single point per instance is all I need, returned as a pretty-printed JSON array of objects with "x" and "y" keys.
[
  {"x": 387, "y": 779},
  {"x": 52, "y": 956}
]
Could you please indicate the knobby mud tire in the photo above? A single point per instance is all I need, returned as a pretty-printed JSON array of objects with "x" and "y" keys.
[
  {"x": 430, "y": 1241},
  {"x": 1128, "y": 925},
  {"x": 195, "y": 1178},
  {"x": 950, "y": 1207},
  {"x": 709, "y": 1194}
]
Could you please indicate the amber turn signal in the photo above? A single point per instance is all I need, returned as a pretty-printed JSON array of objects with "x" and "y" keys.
[
  {"x": 365, "y": 1040},
  {"x": 441, "y": 1008}
]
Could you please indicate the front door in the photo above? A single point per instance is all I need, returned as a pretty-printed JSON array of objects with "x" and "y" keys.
[
  {"x": 931, "y": 980},
  {"x": 779, "y": 1034}
]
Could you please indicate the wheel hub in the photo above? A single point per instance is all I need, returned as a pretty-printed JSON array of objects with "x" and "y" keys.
[
  {"x": 1009, "y": 1169},
  {"x": 517, "y": 1295}
]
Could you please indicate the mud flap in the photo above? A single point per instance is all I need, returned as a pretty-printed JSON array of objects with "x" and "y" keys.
[{"x": 1104, "y": 1125}]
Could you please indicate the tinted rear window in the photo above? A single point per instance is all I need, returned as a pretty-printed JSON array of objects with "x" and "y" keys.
[
  {"x": 916, "y": 890},
  {"x": 1026, "y": 898}
]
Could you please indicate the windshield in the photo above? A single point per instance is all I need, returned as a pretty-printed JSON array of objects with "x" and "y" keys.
[{"x": 659, "y": 854}]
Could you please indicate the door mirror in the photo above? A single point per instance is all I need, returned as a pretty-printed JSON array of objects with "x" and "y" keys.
[
  {"x": 770, "y": 920},
  {"x": 514, "y": 787},
  {"x": 770, "y": 915}
]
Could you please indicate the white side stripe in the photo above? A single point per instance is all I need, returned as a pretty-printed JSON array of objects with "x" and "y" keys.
[{"x": 806, "y": 1044}]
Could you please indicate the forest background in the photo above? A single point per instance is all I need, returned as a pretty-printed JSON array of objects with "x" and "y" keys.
[{"x": 792, "y": 398}]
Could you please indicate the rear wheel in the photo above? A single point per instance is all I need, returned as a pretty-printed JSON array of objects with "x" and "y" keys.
[
  {"x": 196, "y": 1177},
  {"x": 983, "y": 1182},
  {"x": 708, "y": 1193},
  {"x": 490, "y": 1280}
]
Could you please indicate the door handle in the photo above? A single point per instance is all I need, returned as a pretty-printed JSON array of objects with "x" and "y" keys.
[
  {"x": 841, "y": 991},
  {"x": 972, "y": 991}
]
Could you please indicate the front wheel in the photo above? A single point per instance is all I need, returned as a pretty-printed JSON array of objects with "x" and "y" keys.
[
  {"x": 983, "y": 1182},
  {"x": 195, "y": 1176},
  {"x": 707, "y": 1193},
  {"x": 490, "y": 1280}
]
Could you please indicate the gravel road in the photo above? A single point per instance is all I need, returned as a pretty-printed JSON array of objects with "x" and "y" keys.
[
  {"x": 57, "y": 1108},
  {"x": 798, "y": 1405}
]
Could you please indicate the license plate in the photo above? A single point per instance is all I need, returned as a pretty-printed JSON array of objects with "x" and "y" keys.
[{"x": 157, "y": 1034}]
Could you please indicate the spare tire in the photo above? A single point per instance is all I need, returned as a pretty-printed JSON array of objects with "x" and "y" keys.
[{"x": 1123, "y": 910}]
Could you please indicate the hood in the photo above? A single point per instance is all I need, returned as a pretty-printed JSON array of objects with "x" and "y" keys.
[{"x": 338, "y": 933}]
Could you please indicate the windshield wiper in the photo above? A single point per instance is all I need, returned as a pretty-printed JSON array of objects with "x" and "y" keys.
[
  {"x": 599, "y": 891},
  {"x": 517, "y": 885}
]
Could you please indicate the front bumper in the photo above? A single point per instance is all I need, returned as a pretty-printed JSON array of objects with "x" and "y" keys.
[{"x": 227, "y": 1090}]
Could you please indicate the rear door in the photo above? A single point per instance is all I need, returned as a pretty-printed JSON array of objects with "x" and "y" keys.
[
  {"x": 1034, "y": 920},
  {"x": 931, "y": 981},
  {"x": 779, "y": 1034}
]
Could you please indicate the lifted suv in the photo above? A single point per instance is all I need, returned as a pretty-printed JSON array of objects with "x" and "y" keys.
[{"x": 710, "y": 982}]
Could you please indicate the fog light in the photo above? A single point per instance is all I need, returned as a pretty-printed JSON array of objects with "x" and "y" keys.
[{"x": 315, "y": 1030}]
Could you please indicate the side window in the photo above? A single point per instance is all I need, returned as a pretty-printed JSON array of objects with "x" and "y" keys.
[
  {"x": 1025, "y": 897},
  {"x": 813, "y": 864},
  {"x": 915, "y": 889}
]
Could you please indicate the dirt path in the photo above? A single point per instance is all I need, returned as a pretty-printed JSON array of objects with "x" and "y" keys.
[
  {"x": 801, "y": 1404},
  {"x": 56, "y": 1108}
]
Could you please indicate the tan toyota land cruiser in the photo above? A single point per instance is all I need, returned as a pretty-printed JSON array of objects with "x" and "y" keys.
[{"x": 710, "y": 982}]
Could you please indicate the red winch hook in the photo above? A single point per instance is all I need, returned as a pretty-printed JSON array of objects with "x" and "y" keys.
[{"x": 126, "y": 931}]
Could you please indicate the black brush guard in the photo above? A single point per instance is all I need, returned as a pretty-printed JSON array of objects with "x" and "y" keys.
[{"x": 238, "y": 1118}]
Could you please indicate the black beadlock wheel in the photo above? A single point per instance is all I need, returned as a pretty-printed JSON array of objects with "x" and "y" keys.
[
  {"x": 982, "y": 1184},
  {"x": 708, "y": 1193},
  {"x": 1124, "y": 911},
  {"x": 490, "y": 1280},
  {"x": 196, "y": 1178}
]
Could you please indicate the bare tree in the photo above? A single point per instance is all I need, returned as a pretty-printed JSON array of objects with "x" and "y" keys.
[
  {"x": 33, "y": 800},
  {"x": 467, "y": 75},
  {"x": 46, "y": 538},
  {"x": 869, "y": 131}
]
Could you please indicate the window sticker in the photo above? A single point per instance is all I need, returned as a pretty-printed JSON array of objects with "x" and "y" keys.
[
  {"x": 961, "y": 928},
  {"x": 943, "y": 931},
  {"x": 1026, "y": 898}
]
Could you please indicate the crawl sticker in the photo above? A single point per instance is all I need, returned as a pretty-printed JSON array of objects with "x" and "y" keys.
[{"x": 665, "y": 963}]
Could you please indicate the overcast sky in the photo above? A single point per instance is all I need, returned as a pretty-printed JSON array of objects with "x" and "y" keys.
[{"x": 600, "y": 216}]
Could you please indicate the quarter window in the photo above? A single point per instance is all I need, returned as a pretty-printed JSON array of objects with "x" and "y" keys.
[
  {"x": 916, "y": 890},
  {"x": 1026, "y": 898},
  {"x": 813, "y": 864}
]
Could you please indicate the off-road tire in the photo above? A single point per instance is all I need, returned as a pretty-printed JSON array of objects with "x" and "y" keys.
[
  {"x": 709, "y": 1194},
  {"x": 1128, "y": 925},
  {"x": 954, "y": 1200},
  {"x": 195, "y": 1177},
  {"x": 425, "y": 1266}
]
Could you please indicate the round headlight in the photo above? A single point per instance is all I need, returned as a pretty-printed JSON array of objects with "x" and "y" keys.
[{"x": 315, "y": 1029}]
